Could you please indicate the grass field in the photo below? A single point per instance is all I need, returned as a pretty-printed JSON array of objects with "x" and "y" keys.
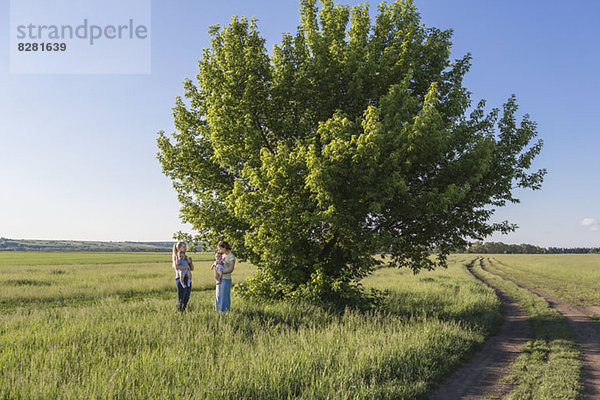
[
  {"x": 78, "y": 258},
  {"x": 572, "y": 277},
  {"x": 104, "y": 326}
]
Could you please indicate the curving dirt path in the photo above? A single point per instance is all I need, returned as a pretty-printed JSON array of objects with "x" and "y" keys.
[
  {"x": 587, "y": 335},
  {"x": 481, "y": 377}
]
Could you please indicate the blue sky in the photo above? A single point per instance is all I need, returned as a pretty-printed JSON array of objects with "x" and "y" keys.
[{"x": 78, "y": 152}]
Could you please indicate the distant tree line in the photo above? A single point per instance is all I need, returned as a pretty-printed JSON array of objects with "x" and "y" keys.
[
  {"x": 74, "y": 245},
  {"x": 524, "y": 248}
]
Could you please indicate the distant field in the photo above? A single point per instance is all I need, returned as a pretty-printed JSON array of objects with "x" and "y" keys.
[
  {"x": 572, "y": 277},
  {"x": 105, "y": 326},
  {"x": 70, "y": 258}
]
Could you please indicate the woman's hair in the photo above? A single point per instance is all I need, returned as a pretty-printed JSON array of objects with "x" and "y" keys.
[
  {"x": 224, "y": 245},
  {"x": 176, "y": 250}
]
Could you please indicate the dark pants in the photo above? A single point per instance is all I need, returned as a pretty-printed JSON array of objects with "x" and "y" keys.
[{"x": 183, "y": 293}]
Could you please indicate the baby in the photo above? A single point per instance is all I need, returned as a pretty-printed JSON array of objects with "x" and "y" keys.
[
  {"x": 218, "y": 266},
  {"x": 182, "y": 273}
]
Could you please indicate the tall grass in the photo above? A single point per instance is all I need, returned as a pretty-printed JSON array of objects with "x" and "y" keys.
[
  {"x": 445, "y": 293},
  {"x": 142, "y": 348}
]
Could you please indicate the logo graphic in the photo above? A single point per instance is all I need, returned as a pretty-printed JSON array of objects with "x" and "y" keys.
[{"x": 80, "y": 37}]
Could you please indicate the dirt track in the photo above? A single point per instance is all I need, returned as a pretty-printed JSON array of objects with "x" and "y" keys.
[
  {"x": 481, "y": 377},
  {"x": 587, "y": 334}
]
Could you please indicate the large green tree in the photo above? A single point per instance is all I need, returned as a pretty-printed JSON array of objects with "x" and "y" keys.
[{"x": 350, "y": 138}]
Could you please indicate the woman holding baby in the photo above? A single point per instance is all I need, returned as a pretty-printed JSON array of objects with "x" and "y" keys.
[
  {"x": 183, "y": 274},
  {"x": 224, "y": 266},
  {"x": 223, "y": 291}
]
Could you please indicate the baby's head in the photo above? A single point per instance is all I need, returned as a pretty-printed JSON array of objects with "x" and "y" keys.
[{"x": 182, "y": 255}]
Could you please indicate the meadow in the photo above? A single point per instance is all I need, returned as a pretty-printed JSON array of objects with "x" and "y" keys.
[
  {"x": 572, "y": 277},
  {"x": 104, "y": 326}
]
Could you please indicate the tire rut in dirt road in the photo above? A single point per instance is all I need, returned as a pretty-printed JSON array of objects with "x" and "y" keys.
[
  {"x": 481, "y": 377},
  {"x": 587, "y": 335}
]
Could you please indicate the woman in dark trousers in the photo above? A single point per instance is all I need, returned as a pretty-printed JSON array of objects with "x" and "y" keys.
[{"x": 183, "y": 293}]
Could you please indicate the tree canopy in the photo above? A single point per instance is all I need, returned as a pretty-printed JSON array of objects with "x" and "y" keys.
[{"x": 352, "y": 137}]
